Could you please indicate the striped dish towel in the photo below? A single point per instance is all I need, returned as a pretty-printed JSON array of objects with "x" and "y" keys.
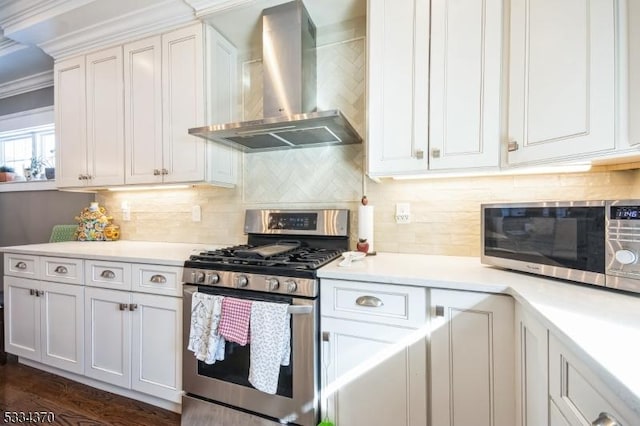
[{"x": 234, "y": 320}]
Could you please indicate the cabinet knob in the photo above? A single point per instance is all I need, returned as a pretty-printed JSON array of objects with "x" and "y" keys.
[
  {"x": 156, "y": 172},
  {"x": 165, "y": 171},
  {"x": 435, "y": 152},
  {"x": 439, "y": 311},
  {"x": 123, "y": 306},
  {"x": 108, "y": 274},
  {"x": 158, "y": 279},
  {"x": 513, "y": 146},
  {"x": 419, "y": 154},
  {"x": 606, "y": 419},
  {"x": 61, "y": 270},
  {"x": 21, "y": 265},
  {"x": 369, "y": 301},
  {"x": 133, "y": 306},
  {"x": 32, "y": 292}
]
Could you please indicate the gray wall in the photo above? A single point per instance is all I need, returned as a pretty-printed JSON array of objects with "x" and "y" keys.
[
  {"x": 27, "y": 217},
  {"x": 26, "y": 101}
]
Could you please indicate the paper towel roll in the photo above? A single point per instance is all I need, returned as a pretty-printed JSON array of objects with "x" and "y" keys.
[{"x": 365, "y": 225}]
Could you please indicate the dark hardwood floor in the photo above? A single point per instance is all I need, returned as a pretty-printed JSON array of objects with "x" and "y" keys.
[{"x": 27, "y": 389}]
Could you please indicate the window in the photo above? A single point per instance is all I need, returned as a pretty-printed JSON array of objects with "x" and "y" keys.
[{"x": 21, "y": 149}]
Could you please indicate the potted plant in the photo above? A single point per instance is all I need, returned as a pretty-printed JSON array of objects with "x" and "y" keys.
[
  {"x": 34, "y": 169},
  {"x": 49, "y": 169},
  {"x": 7, "y": 174}
]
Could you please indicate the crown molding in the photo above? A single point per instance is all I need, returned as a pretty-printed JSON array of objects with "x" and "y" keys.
[
  {"x": 8, "y": 46},
  {"x": 26, "y": 84},
  {"x": 163, "y": 15},
  {"x": 27, "y": 13},
  {"x": 208, "y": 7}
]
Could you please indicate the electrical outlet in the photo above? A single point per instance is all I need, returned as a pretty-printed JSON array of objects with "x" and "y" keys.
[{"x": 403, "y": 213}]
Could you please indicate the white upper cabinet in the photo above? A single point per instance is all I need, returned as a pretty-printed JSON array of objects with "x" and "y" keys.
[
  {"x": 70, "y": 113},
  {"x": 171, "y": 84},
  {"x": 105, "y": 133},
  {"x": 434, "y": 91},
  {"x": 89, "y": 126},
  {"x": 465, "y": 82},
  {"x": 143, "y": 111},
  {"x": 123, "y": 114},
  {"x": 398, "y": 91},
  {"x": 183, "y": 104},
  {"x": 562, "y": 100},
  {"x": 633, "y": 39}
]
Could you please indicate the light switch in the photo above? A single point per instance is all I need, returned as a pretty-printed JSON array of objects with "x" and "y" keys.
[{"x": 196, "y": 213}]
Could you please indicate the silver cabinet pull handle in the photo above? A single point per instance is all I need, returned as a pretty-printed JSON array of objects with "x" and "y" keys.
[
  {"x": 439, "y": 310},
  {"x": 606, "y": 419},
  {"x": 108, "y": 274},
  {"x": 39, "y": 293},
  {"x": 513, "y": 146},
  {"x": 32, "y": 292},
  {"x": 21, "y": 265},
  {"x": 61, "y": 270},
  {"x": 369, "y": 301},
  {"x": 123, "y": 306},
  {"x": 133, "y": 306},
  {"x": 158, "y": 279}
]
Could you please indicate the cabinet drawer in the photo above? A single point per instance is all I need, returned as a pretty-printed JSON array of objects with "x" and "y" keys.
[
  {"x": 389, "y": 304},
  {"x": 157, "y": 279},
  {"x": 114, "y": 275},
  {"x": 577, "y": 391},
  {"x": 21, "y": 265},
  {"x": 62, "y": 270}
]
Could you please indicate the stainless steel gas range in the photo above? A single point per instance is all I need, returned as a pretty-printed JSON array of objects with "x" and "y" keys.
[{"x": 284, "y": 250}]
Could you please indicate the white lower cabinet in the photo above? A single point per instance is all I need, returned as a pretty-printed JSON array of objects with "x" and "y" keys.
[
  {"x": 532, "y": 365},
  {"x": 387, "y": 360},
  {"x": 44, "y": 322},
  {"x": 133, "y": 340},
  {"x": 472, "y": 359},
  {"x": 578, "y": 397}
]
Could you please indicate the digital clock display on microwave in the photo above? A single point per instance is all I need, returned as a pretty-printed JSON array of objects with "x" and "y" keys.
[{"x": 625, "y": 212}]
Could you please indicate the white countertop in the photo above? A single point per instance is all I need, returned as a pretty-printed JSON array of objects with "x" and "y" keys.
[
  {"x": 602, "y": 325},
  {"x": 125, "y": 251}
]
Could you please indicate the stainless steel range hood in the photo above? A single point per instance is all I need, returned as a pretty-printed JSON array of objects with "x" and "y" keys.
[{"x": 291, "y": 119}]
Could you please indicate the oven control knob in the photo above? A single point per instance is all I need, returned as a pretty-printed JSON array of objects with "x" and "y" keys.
[
  {"x": 292, "y": 286},
  {"x": 213, "y": 278},
  {"x": 242, "y": 281},
  {"x": 625, "y": 257},
  {"x": 272, "y": 284},
  {"x": 199, "y": 277}
]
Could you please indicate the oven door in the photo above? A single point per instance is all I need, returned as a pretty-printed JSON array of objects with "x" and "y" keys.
[{"x": 227, "y": 382}]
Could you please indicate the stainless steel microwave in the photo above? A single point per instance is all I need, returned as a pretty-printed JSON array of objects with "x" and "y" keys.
[{"x": 591, "y": 242}]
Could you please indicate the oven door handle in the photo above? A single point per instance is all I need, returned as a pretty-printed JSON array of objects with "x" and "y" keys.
[{"x": 300, "y": 309}]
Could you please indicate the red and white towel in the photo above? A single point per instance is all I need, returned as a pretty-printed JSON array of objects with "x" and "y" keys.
[{"x": 234, "y": 320}]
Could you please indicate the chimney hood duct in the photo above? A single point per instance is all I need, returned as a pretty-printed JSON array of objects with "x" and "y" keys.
[{"x": 291, "y": 119}]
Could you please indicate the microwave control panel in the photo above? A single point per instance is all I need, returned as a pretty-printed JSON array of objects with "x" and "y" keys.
[{"x": 623, "y": 239}]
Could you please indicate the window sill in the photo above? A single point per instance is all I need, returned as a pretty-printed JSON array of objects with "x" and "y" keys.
[{"x": 34, "y": 185}]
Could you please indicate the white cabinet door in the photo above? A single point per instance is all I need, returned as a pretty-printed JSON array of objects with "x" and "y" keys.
[
  {"x": 156, "y": 351},
  {"x": 633, "y": 25},
  {"x": 398, "y": 90},
  {"x": 472, "y": 359},
  {"x": 70, "y": 113},
  {"x": 562, "y": 79},
  {"x": 105, "y": 133},
  {"x": 221, "y": 74},
  {"x": 578, "y": 394},
  {"x": 143, "y": 111},
  {"x": 62, "y": 326},
  {"x": 532, "y": 370},
  {"x": 108, "y": 336},
  {"x": 465, "y": 83},
  {"x": 376, "y": 374},
  {"x": 22, "y": 317},
  {"x": 183, "y": 104}
]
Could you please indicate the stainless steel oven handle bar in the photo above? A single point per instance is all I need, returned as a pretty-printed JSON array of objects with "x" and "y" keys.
[{"x": 293, "y": 309}]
